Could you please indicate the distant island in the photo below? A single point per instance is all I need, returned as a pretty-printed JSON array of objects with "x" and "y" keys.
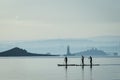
[
  {"x": 90, "y": 52},
  {"x": 21, "y": 52},
  {"x": 16, "y": 51}
]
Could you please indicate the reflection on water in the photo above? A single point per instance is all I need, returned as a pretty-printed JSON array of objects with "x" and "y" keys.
[
  {"x": 47, "y": 69},
  {"x": 91, "y": 76},
  {"x": 66, "y": 73},
  {"x": 82, "y": 72}
]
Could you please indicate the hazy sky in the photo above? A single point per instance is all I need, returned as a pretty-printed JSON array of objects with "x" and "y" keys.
[{"x": 47, "y": 19}]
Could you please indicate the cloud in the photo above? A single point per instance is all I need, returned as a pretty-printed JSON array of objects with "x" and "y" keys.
[{"x": 58, "y": 19}]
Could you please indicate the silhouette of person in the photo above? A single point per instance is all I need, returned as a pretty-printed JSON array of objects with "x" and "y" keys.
[
  {"x": 82, "y": 60},
  {"x": 90, "y": 61},
  {"x": 66, "y": 60}
]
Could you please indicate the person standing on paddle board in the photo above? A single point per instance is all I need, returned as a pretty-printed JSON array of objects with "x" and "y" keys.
[
  {"x": 90, "y": 61},
  {"x": 82, "y": 60},
  {"x": 66, "y": 60}
]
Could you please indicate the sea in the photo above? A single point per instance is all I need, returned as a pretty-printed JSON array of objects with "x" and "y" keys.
[{"x": 46, "y": 68}]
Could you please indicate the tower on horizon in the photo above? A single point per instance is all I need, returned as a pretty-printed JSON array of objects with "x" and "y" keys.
[{"x": 68, "y": 50}]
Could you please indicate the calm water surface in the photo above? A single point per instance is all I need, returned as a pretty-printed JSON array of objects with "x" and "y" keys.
[{"x": 37, "y": 68}]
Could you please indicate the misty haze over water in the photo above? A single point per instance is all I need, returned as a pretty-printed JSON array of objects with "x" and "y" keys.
[{"x": 109, "y": 44}]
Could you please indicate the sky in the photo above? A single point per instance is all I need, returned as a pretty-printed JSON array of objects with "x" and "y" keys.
[{"x": 51, "y": 19}]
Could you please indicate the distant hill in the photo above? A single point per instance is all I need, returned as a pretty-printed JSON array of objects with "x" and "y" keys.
[
  {"x": 92, "y": 52},
  {"x": 20, "y": 52},
  {"x": 109, "y": 44}
]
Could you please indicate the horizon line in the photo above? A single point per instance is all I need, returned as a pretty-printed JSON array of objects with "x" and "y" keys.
[{"x": 43, "y": 39}]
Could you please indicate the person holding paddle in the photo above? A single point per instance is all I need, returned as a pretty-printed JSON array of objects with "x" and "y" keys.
[
  {"x": 66, "y": 60},
  {"x": 90, "y": 60},
  {"x": 82, "y": 60}
]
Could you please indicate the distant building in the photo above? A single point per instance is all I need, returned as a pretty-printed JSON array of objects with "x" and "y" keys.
[{"x": 68, "y": 50}]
